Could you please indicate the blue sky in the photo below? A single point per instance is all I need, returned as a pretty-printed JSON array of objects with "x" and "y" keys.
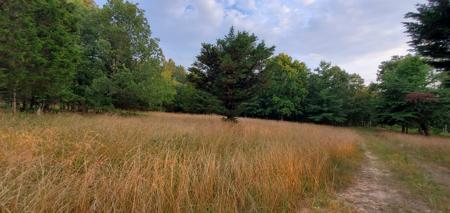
[{"x": 354, "y": 34}]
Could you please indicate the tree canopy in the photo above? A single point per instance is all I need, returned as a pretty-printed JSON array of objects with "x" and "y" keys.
[
  {"x": 430, "y": 33},
  {"x": 408, "y": 92},
  {"x": 282, "y": 89},
  {"x": 229, "y": 69}
]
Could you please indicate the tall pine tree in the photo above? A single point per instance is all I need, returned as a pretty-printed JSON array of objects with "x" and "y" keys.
[
  {"x": 229, "y": 69},
  {"x": 40, "y": 52},
  {"x": 430, "y": 33}
]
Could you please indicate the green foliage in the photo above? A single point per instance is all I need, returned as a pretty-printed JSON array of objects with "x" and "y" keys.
[
  {"x": 398, "y": 77},
  {"x": 133, "y": 58},
  {"x": 430, "y": 33},
  {"x": 173, "y": 73},
  {"x": 229, "y": 69},
  {"x": 83, "y": 3},
  {"x": 362, "y": 103},
  {"x": 191, "y": 100},
  {"x": 39, "y": 48},
  {"x": 281, "y": 89},
  {"x": 98, "y": 94},
  {"x": 409, "y": 76},
  {"x": 81, "y": 56},
  {"x": 329, "y": 95}
]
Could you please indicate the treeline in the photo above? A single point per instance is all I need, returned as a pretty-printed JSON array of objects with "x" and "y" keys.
[
  {"x": 239, "y": 76},
  {"x": 71, "y": 55}
]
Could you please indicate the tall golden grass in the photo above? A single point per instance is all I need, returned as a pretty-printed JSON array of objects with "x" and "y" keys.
[{"x": 161, "y": 162}]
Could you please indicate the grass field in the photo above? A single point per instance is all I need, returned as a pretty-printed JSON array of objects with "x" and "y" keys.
[
  {"x": 158, "y": 162},
  {"x": 421, "y": 164}
]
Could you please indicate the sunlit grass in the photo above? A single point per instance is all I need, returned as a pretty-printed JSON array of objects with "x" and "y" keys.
[{"x": 168, "y": 162}]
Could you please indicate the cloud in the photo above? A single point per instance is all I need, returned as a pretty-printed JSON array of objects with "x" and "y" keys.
[
  {"x": 366, "y": 63},
  {"x": 354, "y": 34},
  {"x": 308, "y": 2}
]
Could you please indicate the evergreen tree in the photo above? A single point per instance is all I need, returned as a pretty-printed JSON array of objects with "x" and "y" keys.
[
  {"x": 229, "y": 69},
  {"x": 40, "y": 51},
  {"x": 17, "y": 34},
  {"x": 362, "y": 103},
  {"x": 430, "y": 33},
  {"x": 328, "y": 99},
  {"x": 192, "y": 100}
]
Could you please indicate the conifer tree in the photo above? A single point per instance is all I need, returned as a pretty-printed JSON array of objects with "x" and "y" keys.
[{"x": 229, "y": 69}]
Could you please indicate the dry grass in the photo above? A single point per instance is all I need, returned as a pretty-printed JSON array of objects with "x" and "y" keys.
[{"x": 168, "y": 163}]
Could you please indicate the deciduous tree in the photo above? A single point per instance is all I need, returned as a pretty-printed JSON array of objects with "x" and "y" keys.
[{"x": 282, "y": 88}]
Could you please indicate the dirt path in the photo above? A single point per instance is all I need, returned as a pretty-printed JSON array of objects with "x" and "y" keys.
[{"x": 375, "y": 190}]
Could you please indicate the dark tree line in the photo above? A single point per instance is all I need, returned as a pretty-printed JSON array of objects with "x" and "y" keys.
[{"x": 70, "y": 55}]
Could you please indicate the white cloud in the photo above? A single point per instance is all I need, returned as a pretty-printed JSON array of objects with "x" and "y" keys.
[
  {"x": 211, "y": 11},
  {"x": 355, "y": 34},
  {"x": 365, "y": 64},
  {"x": 308, "y": 2}
]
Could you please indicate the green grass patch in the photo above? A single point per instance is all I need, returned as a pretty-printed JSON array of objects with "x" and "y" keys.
[{"x": 402, "y": 162}]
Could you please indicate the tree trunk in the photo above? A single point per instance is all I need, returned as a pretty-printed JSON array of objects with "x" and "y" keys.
[
  {"x": 403, "y": 129},
  {"x": 45, "y": 106},
  {"x": 14, "y": 101},
  {"x": 33, "y": 103},
  {"x": 423, "y": 129},
  {"x": 24, "y": 105}
]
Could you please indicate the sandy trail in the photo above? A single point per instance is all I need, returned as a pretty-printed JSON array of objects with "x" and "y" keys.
[{"x": 375, "y": 190}]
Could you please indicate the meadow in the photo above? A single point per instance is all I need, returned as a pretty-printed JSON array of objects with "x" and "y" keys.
[
  {"x": 420, "y": 164},
  {"x": 160, "y": 162}
]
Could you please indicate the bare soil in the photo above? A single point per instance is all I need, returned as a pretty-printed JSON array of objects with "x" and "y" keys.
[{"x": 374, "y": 190}]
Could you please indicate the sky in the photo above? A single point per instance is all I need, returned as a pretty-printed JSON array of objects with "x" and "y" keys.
[{"x": 356, "y": 35}]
